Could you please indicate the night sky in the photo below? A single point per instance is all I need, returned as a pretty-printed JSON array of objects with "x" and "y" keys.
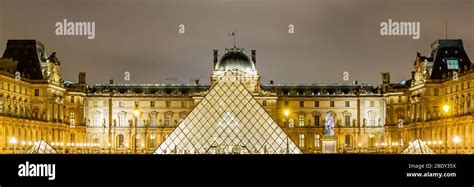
[{"x": 331, "y": 36}]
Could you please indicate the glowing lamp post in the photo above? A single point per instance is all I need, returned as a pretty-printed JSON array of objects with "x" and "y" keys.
[
  {"x": 13, "y": 141},
  {"x": 456, "y": 141},
  {"x": 286, "y": 112}
]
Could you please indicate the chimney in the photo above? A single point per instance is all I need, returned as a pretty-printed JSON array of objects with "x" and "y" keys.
[
  {"x": 271, "y": 82},
  {"x": 215, "y": 57},
  {"x": 254, "y": 56},
  {"x": 196, "y": 81},
  {"x": 385, "y": 78},
  {"x": 111, "y": 81},
  {"x": 82, "y": 78}
]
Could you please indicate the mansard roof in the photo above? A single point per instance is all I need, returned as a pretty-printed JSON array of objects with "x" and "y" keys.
[
  {"x": 441, "y": 51},
  {"x": 29, "y": 54}
]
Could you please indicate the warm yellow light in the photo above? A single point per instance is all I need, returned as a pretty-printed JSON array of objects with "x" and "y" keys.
[
  {"x": 286, "y": 112},
  {"x": 456, "y": 139},
  {"x": 360, "y": 145},
  {"x": 136, "y": 112},
  {"x": 446, "y": 108},
  {"x": 13, "y": 140}
]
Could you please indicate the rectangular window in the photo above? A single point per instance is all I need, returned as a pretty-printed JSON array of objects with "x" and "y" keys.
[
  {"x": 348, "y": 104},
  {"x": 183, "y": 104},
  {"x": 316, "y": 103},
  {"x": 372, "y": 120},
  {"x": 301, "y": 140},
  {"x": 152, "y": 103},
  {"x": 372, "y": 103},
  {"x": 347, "y": 141},
  {"x": 435, "y": 92},
  {"x": 72, "y": 120},
  {"x": 317, "y": 139},
  {"x": 316, "y": 120},
  {"x": 121, "y": 121},
  {"x": 168, "y": 104},
  {"x": 96, "y": 103},
  {"x": 72, "y": 99},
  {"x": 286, "y": 103},
  {"x": 332, "y": 103},
  {"x": 37, "y": 92},
  {"x": 264, "y": 103},
  {"x": 301, "y": 104},
  {"x": 121, "y": 104},
  {"x": 347, "y": 120},
  {"x": 136, "y": 104},
  {"x": 72, "y": 138},
  {"x": 95, "y": 120},
  {"x": 153, "y": 120},
  {"x": 400, "y": 99},
  {"x": 301, "y": 120},
  {"x": 168, "y": 120}
]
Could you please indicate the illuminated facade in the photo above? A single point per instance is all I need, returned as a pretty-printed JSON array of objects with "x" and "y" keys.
[{"x": 138, "y": 118}]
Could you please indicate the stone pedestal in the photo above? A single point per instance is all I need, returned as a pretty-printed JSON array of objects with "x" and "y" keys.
[{"x": 329, "y": 144}]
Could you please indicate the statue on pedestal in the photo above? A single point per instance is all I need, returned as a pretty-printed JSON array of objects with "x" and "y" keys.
[{"x": 329, "y": 125}]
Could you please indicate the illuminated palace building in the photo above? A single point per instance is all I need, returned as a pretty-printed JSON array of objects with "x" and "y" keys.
[{"x": 235, "y": 113}]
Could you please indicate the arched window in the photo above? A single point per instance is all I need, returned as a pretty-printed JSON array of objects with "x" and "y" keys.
[
  {"x": 301, "y": 140},
  {"x": 153, "y": 119}
]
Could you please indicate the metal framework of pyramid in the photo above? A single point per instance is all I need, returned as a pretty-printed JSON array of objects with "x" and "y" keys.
[
  {"x": 41, "y": 147},
  {"x": 418, "y": 147},
  {"x": 228, "y": 120}
]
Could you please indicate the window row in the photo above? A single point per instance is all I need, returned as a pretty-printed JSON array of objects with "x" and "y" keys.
[
  {"x": 331, "y": 103},
  {"x": 136, "y": 104}
]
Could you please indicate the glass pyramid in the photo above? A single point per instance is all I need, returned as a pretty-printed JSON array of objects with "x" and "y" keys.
[
  {"x": 418, "y": 147},
  {"x": 228, "y": 120},
  {"x": 41, "y": 147}
]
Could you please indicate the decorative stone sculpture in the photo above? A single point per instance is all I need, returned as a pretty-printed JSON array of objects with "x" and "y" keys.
[{"x": 329, "y": 125}]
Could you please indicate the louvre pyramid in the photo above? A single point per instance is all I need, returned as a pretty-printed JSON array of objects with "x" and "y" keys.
[
  {"x": 41, "y": 147},
  {"x": 228, "y": 120},
  {"x": 418, "y": 147}
]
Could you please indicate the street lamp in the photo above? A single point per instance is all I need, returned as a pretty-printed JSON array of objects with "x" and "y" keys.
[
  {"x": 13, "y": 141},
  {"x": 456, "y": 141},
  {"x": 446, "y": 110},
  {"x": 136, "y": 114},
  {"x": 286, "y": 112}
]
